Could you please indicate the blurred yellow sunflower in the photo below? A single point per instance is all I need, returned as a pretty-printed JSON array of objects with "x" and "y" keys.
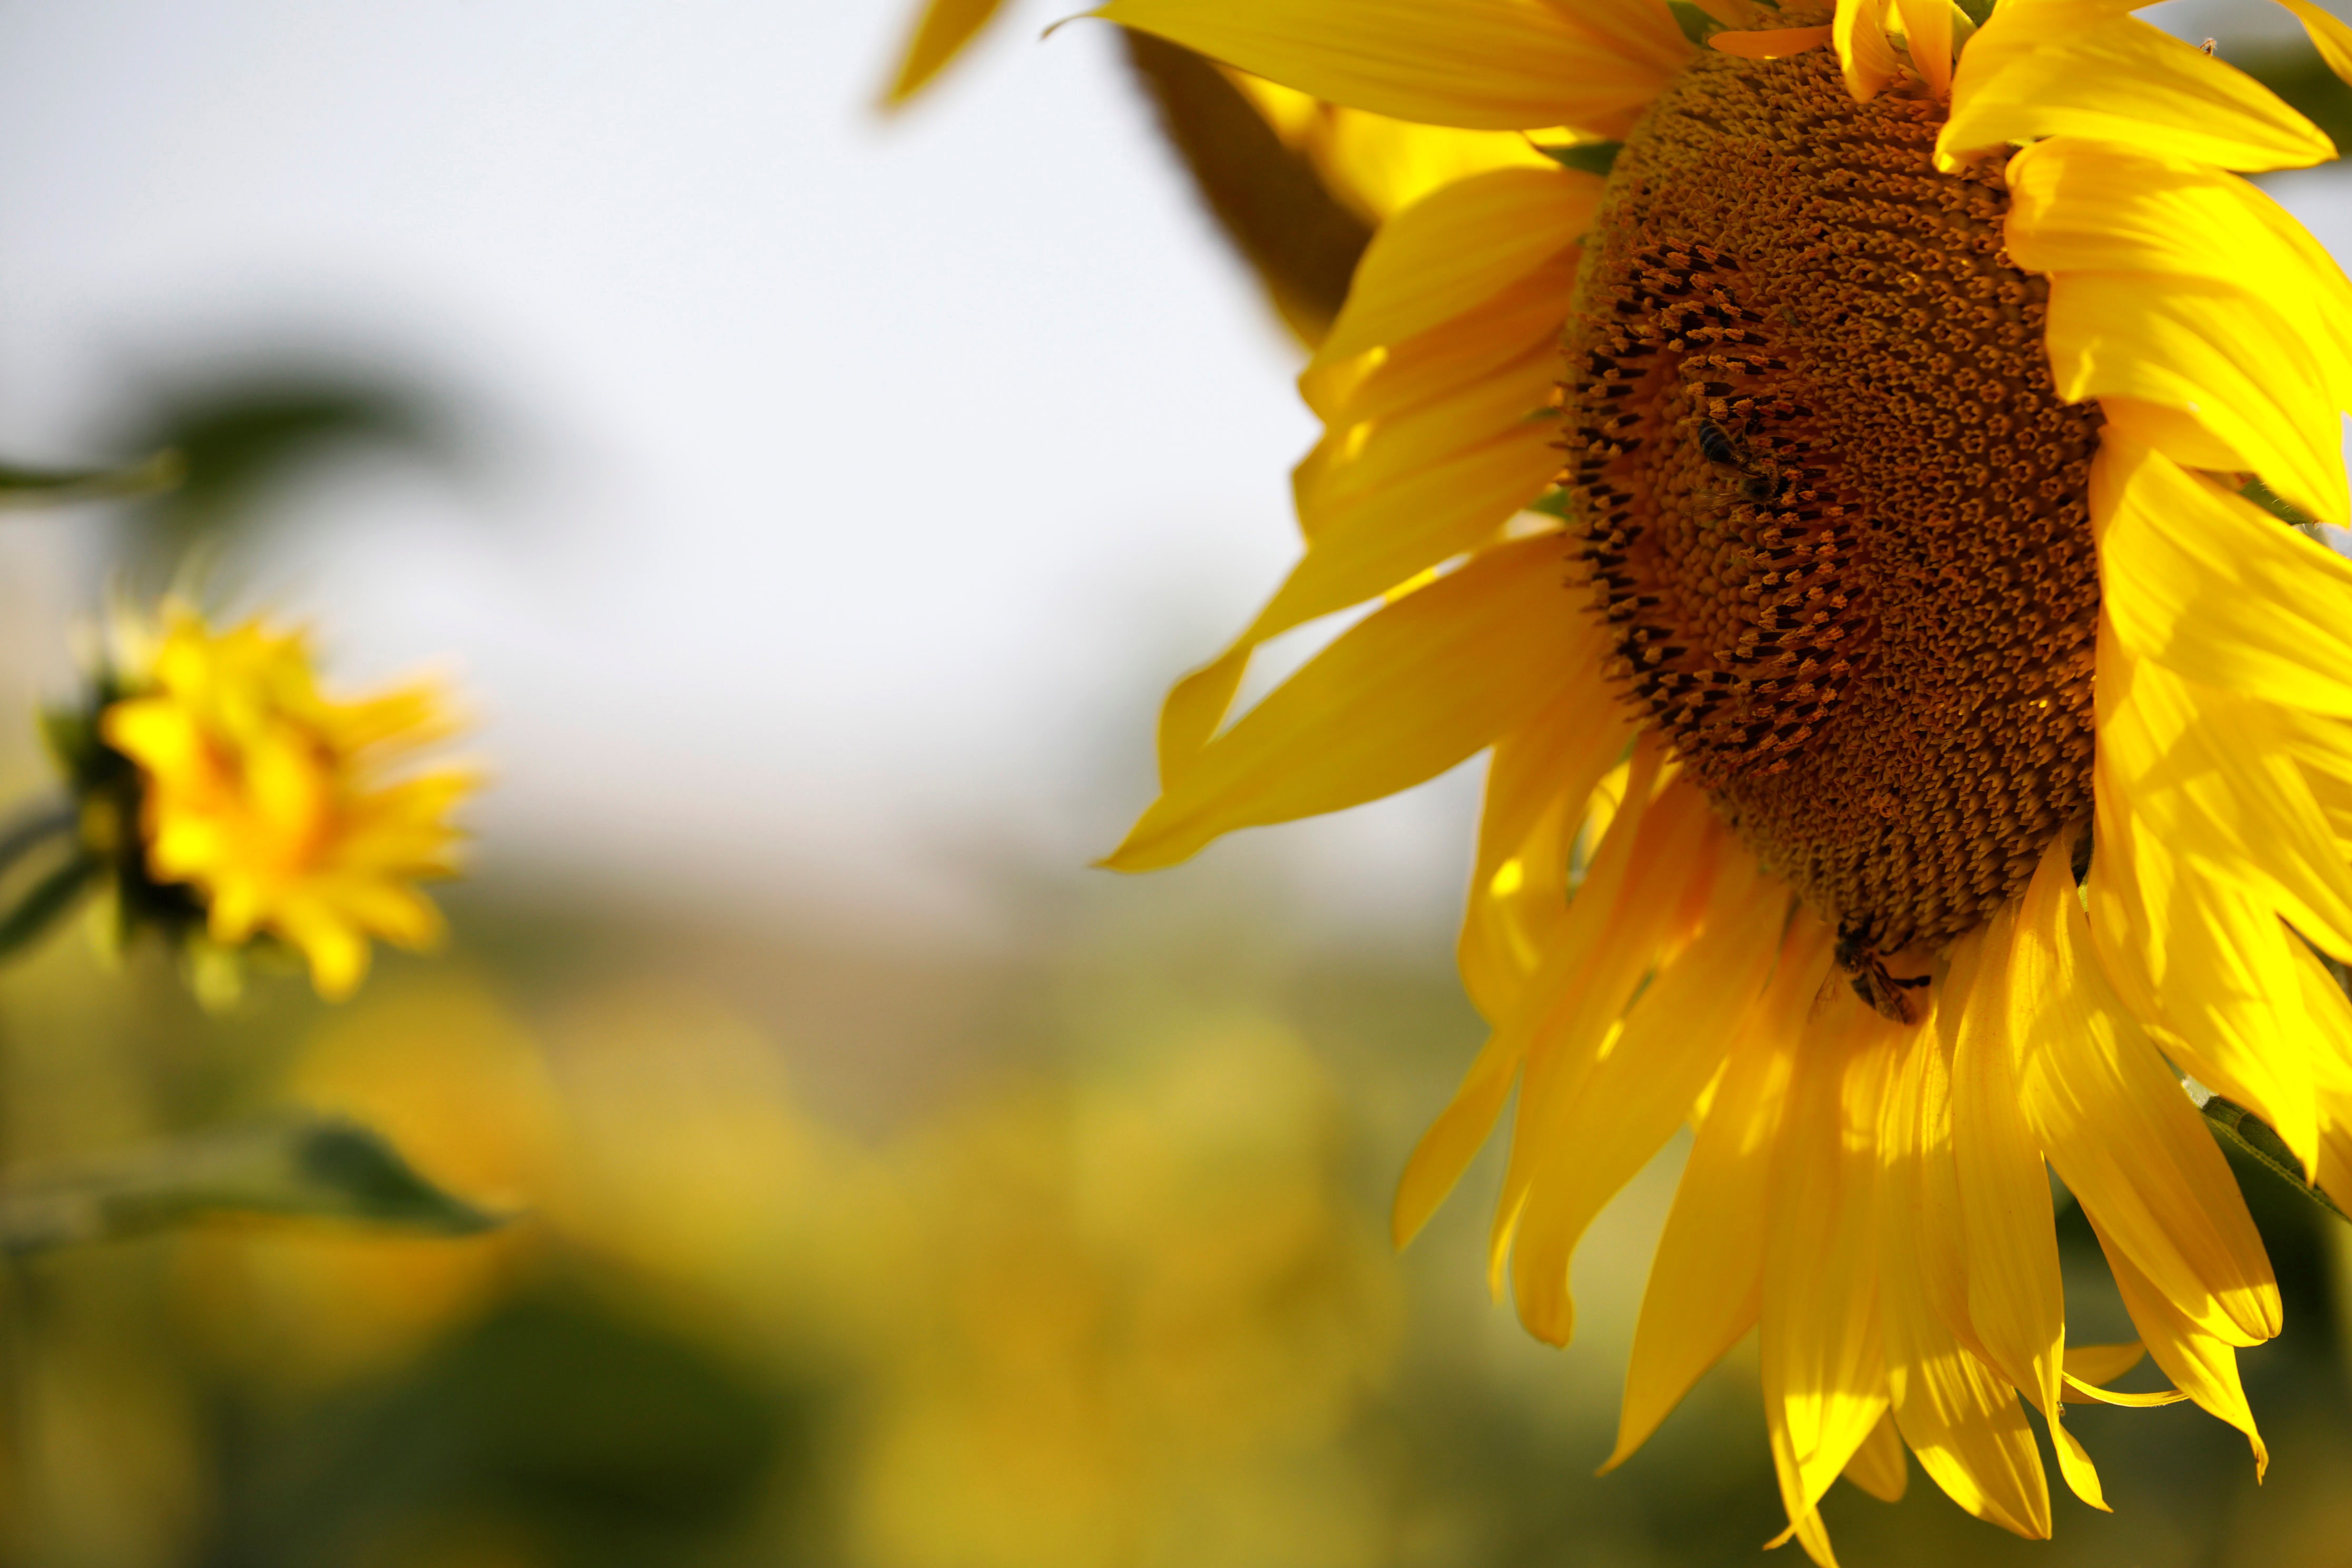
[
  {"x": 270, "y": 803},
  {"x": 1855, "y": 510}
]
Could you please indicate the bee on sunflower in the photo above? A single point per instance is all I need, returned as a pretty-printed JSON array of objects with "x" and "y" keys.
[
  {"x": 223, "y": 801},
  {"x": 1853, "y": 488}
]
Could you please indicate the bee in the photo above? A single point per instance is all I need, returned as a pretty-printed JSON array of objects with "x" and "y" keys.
[
  {"x": 1724, "y": 450},
  {"x": 1871, "y": 981}
]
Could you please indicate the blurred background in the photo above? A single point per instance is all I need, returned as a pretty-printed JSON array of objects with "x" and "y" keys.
[{"x": 815, "y": 504}]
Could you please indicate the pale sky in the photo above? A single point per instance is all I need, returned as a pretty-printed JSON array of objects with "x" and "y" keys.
[{"x": 856, "y": 486}]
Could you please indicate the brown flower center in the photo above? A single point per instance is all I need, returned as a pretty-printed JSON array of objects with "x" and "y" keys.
[{"x": 1832, "y": 507}]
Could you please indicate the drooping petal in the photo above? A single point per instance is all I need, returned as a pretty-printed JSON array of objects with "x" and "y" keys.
[
  {"x": 1877, "y": 1466},
  {"x": 1406, "y": 694},
  {"x": 2016, "y": 1303},
  {"x": 1927, "y": 38},
  {"x": 1822, "y": 1353},
  {"x": 1960, "y": 1417},
  {"x": 1538, "y": 785},
  {"x": 1707, "y": 1279},
  {"x": 2202, "y": 1365},
  {"x": 1569, "y": 1015},
  {"x": 1600, "y": 1127},
  {"x": 2120, "y": 1131},
  {"x": 1494, "y": 65},
  {"x": 1447, "y": 1147}
]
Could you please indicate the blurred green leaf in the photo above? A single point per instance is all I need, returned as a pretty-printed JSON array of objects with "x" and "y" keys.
[
  {"x": 306, "y": 1165},
  {"x": 2241, "y": 1129},
  {"x": 21, "y": 486}
]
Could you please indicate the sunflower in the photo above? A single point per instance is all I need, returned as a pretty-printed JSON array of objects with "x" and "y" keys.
[
  {"x": 252, "y": 804},
  {"x": 1859, "y": 492}
]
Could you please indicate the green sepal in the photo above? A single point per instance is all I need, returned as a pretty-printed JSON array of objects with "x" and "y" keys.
[
  {"x": 1977, "y": 11},
  {"x": 2239, "y": 1128},
  {"x": 300, "y": 1166},
  {"x": 1696, "y": 24},
  {"x": 1587, "y": 157},
  {"x": 23, "y": 486}
]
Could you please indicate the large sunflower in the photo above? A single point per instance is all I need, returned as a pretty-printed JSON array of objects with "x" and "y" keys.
[{"x": 1918, "y": 727}]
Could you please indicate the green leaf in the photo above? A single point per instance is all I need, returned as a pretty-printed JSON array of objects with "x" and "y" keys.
[
  {"x": 1591, "y": 157},
  {"x": 2236, "y": 1126},
  {"x": 1552, "y": 503},
  {"x": 23, "y": 486},
  {"x": 1696, "y": 24},
  {"x": 305, "y": 1165}
]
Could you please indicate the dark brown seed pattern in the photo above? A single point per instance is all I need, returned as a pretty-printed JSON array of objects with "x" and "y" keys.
[{"x": 1829, "y": 501}]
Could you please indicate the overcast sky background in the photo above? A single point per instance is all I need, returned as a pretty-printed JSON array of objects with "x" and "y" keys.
[{"x": 851, "y": 487}]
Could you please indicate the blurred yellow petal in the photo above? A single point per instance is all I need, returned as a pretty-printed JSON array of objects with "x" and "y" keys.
[
  {"x": 1495, "y": 65},
  {"x": 946, "y": 25},
  {"x": 2330, "y": 36},
  {"x": 1927, "y": 39},
  {"x": 1770, "y": 43}
]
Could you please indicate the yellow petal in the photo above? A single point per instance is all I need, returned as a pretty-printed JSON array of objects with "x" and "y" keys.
[
  {"x": 2206, "y": 583},
  {"x": 1457, "y": 249},
  {"x": 1864, "y": 53},
  {"x": 2207, "y": 775},
  {"x": 1384, "y": 451},
  {"x": 1537, "y": 786},
  {"x": 1447, "y": 1147},
  {"x": 2016, "y": 1304},
  {"x": 1877, "y": 1466},
  {"x": 2064, "y": 67},
  {"x": 2202, "y": 1365},
  {"x": 1824, "y": 1361},
  {"x": 1599, "y": 1127},
  {"x": 1928, "y": 37},
  {"x": 1706, "y": 1278},
  {"x": 2205, "y": 349},
  {"x": 1961, "y": 1419},
  {"x": 1573, "y": 1010},
  {"x": 1492, "y": 65},
  {"x": 2083, "y": 206},
  {"x": 1407, "y": 692},
  {"x": 2225, "y": 1005},
  {"x": 2120, "y": 1131}
]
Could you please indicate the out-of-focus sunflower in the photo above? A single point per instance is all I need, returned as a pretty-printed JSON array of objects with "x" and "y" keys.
[
  {"x": 1915, "y": 715},
  {"x": 230, "y": 795}
]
